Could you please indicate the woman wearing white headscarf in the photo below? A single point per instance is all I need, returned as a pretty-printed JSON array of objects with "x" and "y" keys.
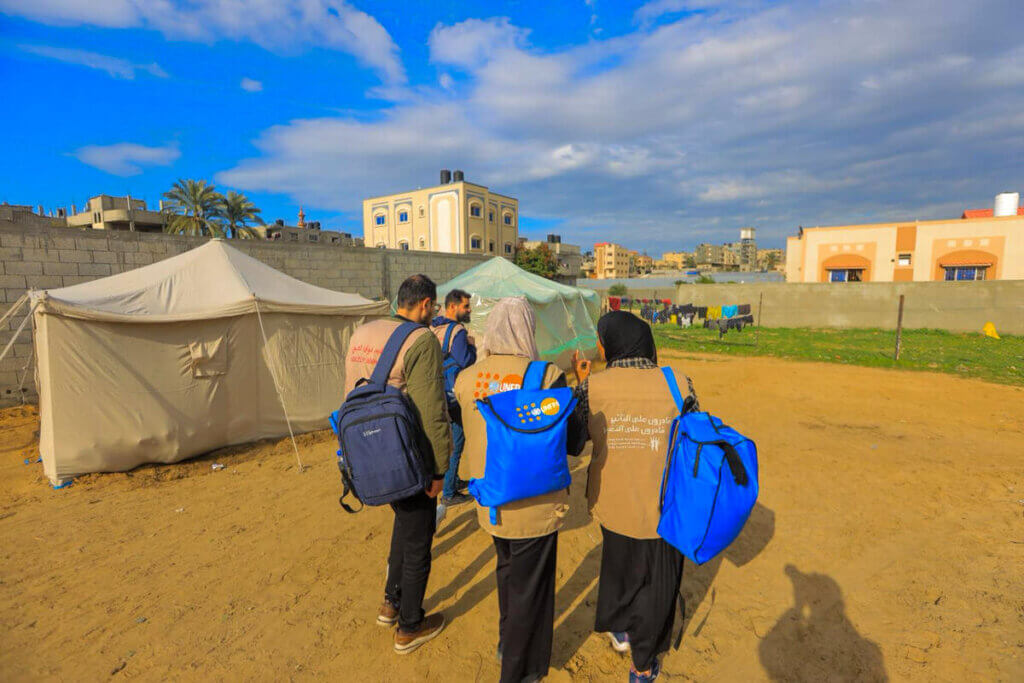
[{"x": 526, "y": 531}]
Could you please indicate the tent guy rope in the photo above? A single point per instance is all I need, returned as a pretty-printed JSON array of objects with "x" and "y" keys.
[
  {"x": 277, "y": 385},
  {"x": 17, "y": 332}
]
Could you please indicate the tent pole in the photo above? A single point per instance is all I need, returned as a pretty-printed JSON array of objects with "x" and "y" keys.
[
  {"x": 277, "y": 385},
  {"x": 16, "y": 333}
]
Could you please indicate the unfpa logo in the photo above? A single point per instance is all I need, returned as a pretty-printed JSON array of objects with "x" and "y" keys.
[{"x": 531, "y": 412}]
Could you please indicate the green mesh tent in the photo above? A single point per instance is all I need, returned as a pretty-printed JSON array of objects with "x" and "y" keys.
[{"x": 566, "y": 316}]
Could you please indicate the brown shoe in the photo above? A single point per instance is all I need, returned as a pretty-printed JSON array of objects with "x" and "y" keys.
[
  {"x": 387, "y": 615},
  {"x": 429, "y": 628}
]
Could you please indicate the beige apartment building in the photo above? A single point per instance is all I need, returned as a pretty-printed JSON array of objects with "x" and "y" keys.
[
  {"x": 612, "y": 261},
  {"x": 676, "y": 260},
  {"x": 455, "y": 216},
  {"x": 642, "y": 263},
  {"x": 989, "y": 247},
  {"x": 716, "y": 255},
  {"x": 117, "y": 213}
]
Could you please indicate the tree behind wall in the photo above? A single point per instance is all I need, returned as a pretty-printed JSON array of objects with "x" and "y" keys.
[
  {"x": 539, "y": 261},
  {"x": 194, "y": 207}
]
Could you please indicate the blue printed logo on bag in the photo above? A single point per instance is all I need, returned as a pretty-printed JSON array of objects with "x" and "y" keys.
[{"x": 527, "y": 431}]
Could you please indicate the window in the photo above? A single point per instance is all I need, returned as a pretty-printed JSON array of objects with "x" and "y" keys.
[
  {"x": 379, "y": 219},
  {"x": 490, "y": 216},
  {"x": 381, "y": 245},
  {"x": 423, "y": 243},
  {"x": 293, "y": 236},
  {"x": 903, "y": 260},
  {"x": 314, "y": 238},
  {"x": 846, "y": 275},
  {"x": 422, "y": 213},
  {"x": 490, "y": 246},
  {"x": 508, "y": 247},
  {"x": 474, "y": 210},
  {"x": 508, "y": 219},
  {"x": 403, "y": 245},
  {"x": 475, "y": 242},
  {"x": 403, "y": 216},
  {"x": 965, "y": 272}
]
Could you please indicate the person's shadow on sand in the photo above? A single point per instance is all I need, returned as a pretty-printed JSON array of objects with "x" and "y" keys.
[
  {"x": 815, "y": 641},
  {"x": 698, "y": 579}
]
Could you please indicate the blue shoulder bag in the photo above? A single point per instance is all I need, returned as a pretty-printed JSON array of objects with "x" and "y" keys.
[
  {"x": 527, "y": 432},
  {"x": 378, "y": 432},
  {"x": 709, "y": 486}
]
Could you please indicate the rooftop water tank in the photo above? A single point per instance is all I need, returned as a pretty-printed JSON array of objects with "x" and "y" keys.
[{"x": 1006, "y": 204}]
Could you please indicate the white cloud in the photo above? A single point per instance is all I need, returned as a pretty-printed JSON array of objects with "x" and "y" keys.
[
  {"x": 272, "y": 24},
  {"x": 251, "y": 85},
  {"x": 114, "y": 66},
  {"x": 127, "y": 158},
  {"x": 803, "y": 113},
  {"x": 471, "y": 42}
]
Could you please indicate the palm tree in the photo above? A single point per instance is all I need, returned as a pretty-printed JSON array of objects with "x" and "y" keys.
[
  {"x": 195, "y": 208},
  {"x": 237, "y": 210}
]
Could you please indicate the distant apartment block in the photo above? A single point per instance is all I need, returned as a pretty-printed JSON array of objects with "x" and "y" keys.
[
  {"x": 771, "y": 259},
  {"x": 985, "y": 244},
  {"x": 304, "y": 232},
  {"x": 642, "y": 263},
  {"x": 570, "y": 260},
  {"x": 105, "y": 212},
  {"x": 612, "y": 260},
  {"x": 454, "y": 216},
  {"x": 676, "y": 260},
  {"x": 102, "y": 212},
  {"x": 715, "y": 256}
]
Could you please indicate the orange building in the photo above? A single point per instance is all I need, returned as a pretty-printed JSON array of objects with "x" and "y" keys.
[{"x": 986, "y": 247}]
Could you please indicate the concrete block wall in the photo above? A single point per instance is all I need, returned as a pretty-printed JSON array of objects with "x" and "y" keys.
[
  {"x": 48, "y": 258},
  {"x": 952, "y": 306}
]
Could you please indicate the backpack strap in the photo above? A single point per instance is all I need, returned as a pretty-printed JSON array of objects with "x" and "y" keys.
[
  {"x": 446, "y": 347},
  {"x": 684, "y": 405},
  {"x": 533, "y": 378},
  {"x": 389, "y": 355}
]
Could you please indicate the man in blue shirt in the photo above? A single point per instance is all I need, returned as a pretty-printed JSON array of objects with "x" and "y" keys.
[{"x": 459, "y": 354}]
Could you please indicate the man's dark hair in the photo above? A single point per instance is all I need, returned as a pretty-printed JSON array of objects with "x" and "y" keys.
[
  {"x": 456, "y": 296},
  {"x": 415, "y": 289}
]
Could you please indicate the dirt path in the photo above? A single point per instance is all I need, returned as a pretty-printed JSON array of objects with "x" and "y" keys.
[{"x": 889, "y": 542}]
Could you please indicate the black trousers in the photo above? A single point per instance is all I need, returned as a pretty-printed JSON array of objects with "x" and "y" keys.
[
  {"x": 409, "y": 561},
  {"x": 526, "y": 600},
  {"x": 637, "y": 593}
]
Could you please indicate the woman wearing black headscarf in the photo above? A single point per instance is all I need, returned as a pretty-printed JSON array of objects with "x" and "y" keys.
[{"x": 629, "y": 409}]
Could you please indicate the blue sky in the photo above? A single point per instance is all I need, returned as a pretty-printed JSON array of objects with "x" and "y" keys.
[{"x": 656, "y": 124}]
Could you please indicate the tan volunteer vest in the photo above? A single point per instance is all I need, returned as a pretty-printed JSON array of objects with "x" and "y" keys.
[
  {"x": 365, "y": 347},
  {"x": 530, "y": 518},
  {"x": 631, "y": 411}
]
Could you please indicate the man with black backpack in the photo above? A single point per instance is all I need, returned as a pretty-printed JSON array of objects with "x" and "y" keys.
[
  {"x": 415, "y": 359},
  {"x": 459, "y": 351}
]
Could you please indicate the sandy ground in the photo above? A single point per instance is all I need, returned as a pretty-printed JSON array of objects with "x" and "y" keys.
[{"x": 888, "y": 543}]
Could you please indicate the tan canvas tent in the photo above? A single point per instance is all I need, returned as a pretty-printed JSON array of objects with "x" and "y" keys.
[{"x": 200, "y": 351}]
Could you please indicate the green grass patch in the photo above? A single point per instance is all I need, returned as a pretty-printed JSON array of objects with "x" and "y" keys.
[{"x": 965, "y": 355}]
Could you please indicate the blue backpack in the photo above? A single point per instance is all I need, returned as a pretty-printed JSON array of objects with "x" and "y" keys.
[
  {"x": 710, "y": 482},
  {"x": 449, "y": 368},
  {"x": 378, "y": 435},
  {"x": 527, "y": 431}
]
